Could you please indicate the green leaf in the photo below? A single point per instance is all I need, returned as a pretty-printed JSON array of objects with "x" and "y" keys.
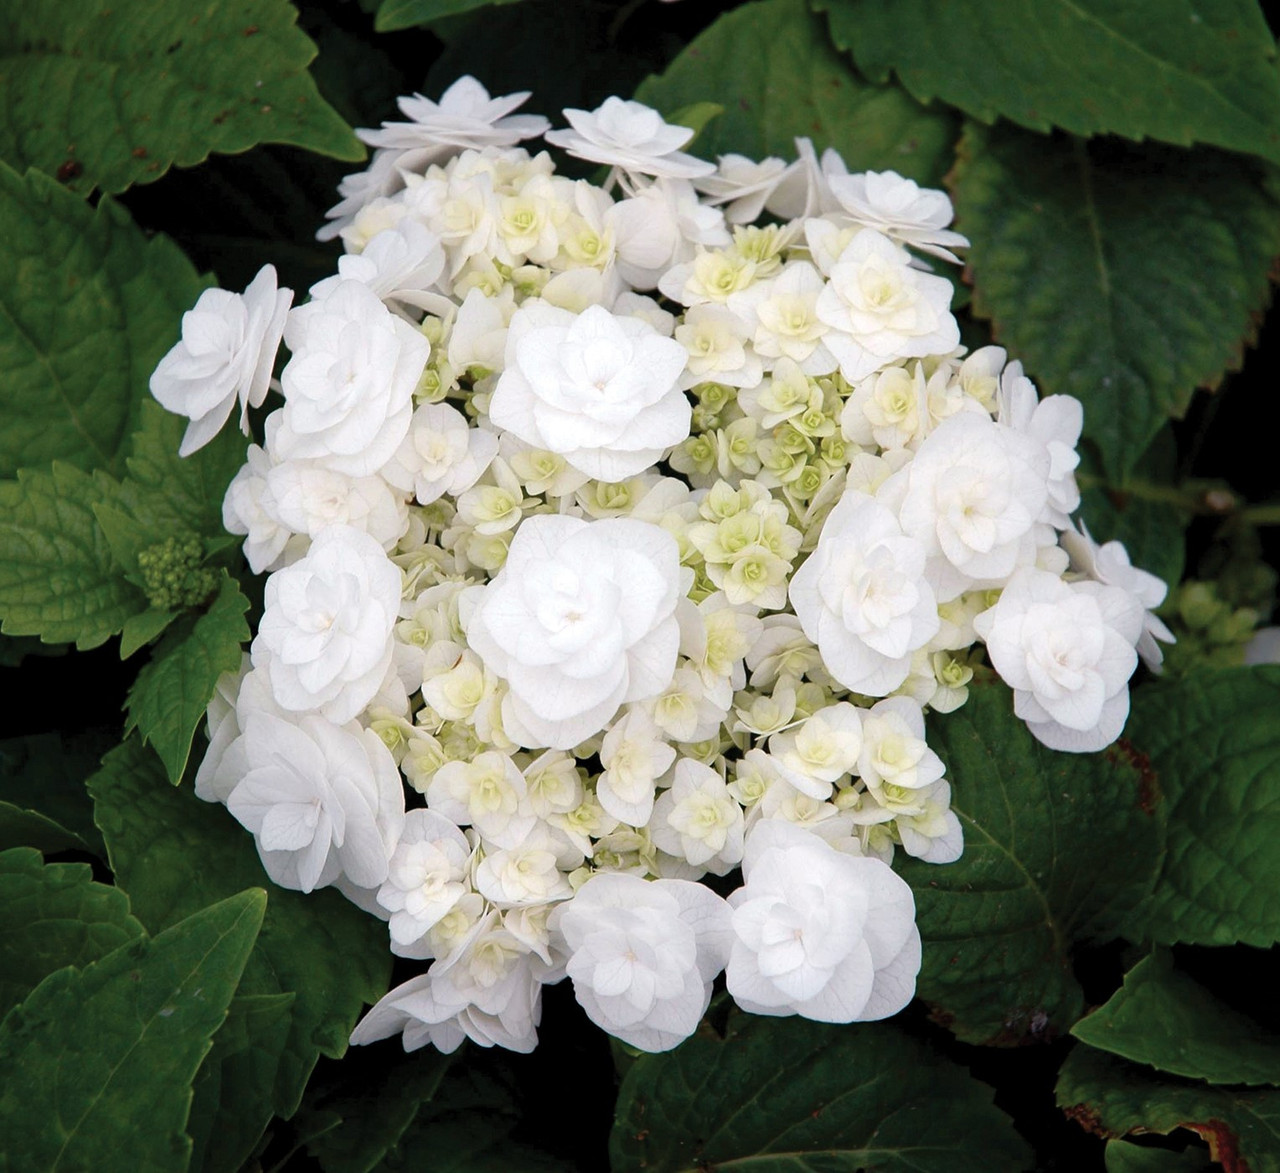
[
  {"x": 20, "y": 827},
  {"x": 1153, "y": 531},
  {"x": 355, "y": 1125},
  {"x": 107, "y": 1053},
  {"x": 232, "y": 1091},
  {"x": 1123, "y": 1156},
  {"x": 58, "y": 579},
  {"x": 52, "y": 915},
  {"x": 1124, "y": 275},
  {"x": 174, "y": 853},
  {"x": 403, "y": 14},
  {"x": 46, "y": 772},
  {"x": 171, "y": 693},
  {"x": 770, "y": 66},
  {"x": 1058, "y": 849},
  {"x": 1167, "y": 1020},
  {"x": 1214, "y": 743},
  {"x": 88, "y": 307},
  {"x": 1162, "y": 69},
  {"x": 793, "y": 1096},
  {"x": 1114, "y": 1098},
  {"x": 108, "y": 95},
  {"x": 140, "y": 630}
]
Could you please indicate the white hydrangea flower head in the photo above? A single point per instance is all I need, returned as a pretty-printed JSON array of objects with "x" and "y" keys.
[
  {"x": 309, "y": 498},
  {"x": 698, "y": 820},
  {"x": 465, "y": 118},
  {"x": 1056, "y": 422},
  {"x": 821, "y": 749},
  {"x": 228, "y": 347},
  {"x": 598, "y": 389},
  {"x": 863, "y": 598},
  {"x": 487, "y": 792},
  {"x": 643, "y": 955},
  {"x": 426, "y": 877},
  {"x": 900, "y": 209},
  {"x": 819, "y": 932},
  {"x": 441, "y": 454},
  {"x": 1067, "y": 651},
  {"x": 579, "y": 621},
  {"x": 248, "y": 508},
  {"x": 742, "y": 185},
  {"x": 401, "y": 265},
  {"x": 322, "y": 800},
  {"x": 630, "y": 135},
  {"x": 324, "y": 641}
]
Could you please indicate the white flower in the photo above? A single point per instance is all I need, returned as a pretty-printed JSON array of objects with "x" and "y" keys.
[
  {"x": 643, "y": 955},
  {"x": 632, "y": 136},
  {"x": 248, "y": 508},
  {"x": 862, "y": 597},
  {"x": 932, "y": 833},
  {"x": 660, "y": 226},
  {"x": 900, "y": 209},
  {"x": 824, "y": 748},
  {"x": 309, "y": 499},
  {"x": 320, "y": 799},
  {"x": 698, "y": 820},
  {"x": 818, "y": 932},
  {"x": 972, "y": 497},
  {"x": 1109, "y": 564},
  {"x": 717, "y": 342},
  {"x": 743, "y": 184},
  {"x": 1054, "y": 422},
  {"x": 488, "y": 792},
  {"x": 783, "y": 311},
  {"x": 349, "y": 385},
  {"x": 441, "y": 454},
  {"x": 894, "y": 752},
  {"x": 634, "y": 756},
  {"x": 228, "y": 347},
  {"x": 324, "y": 641},
  {"x": 880, "y": 309},
  {"x": 425, "y": 877},
  {"x": 1067, "y": 650},
  {"x": 580, "y": 620},
  {"x": 400, "y": 264},
  {"x": 601, "y": 391}
]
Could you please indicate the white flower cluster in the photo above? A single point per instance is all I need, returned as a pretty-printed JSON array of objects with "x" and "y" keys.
[{"x": 616, "y": 541}]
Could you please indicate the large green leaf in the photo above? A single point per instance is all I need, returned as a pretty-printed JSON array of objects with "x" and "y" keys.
[
  {"x": 769, "y": 65},
  {"x": 108, "y": 95},
  {"x": 793, "y": 1096},
  {"x": 88, "y": 307},
  {"x": 45, "y": 773},
  {"x": 58, "y": 579},
  {"x": 1214, "y": 743},
  {"x": 1163, "y": 69},
  {"x": 107, "y": 1053},
  {"x": 1123, "y": 1156},
  {"x": 1114, "y": 1098},
  {"x": 170, "y": 696},
  {"x": 1124, "y": 275},
  {"x": 1058, "y": 849},
  {"x": 53, "y": 915},
  {"x": 232, "y": 1103},
  {"x": 174, "y": 853},
  {"x": 1167, "y": 1020},
  {"x": 403, "y": 14}
]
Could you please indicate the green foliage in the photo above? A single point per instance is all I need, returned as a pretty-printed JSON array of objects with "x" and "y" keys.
[
  {"x": 1058, "y": 849},
  {"x": 58, "y": 579},
  {"x": 52, "y": 915},
  {"x": 1161, "y": 69},
  {"x": 1118, "y": 273},
  {"x": 1114, "y": 1098},
  {"x": 403, "y": 14},
  {"x": 172, "y": 692},
  {"x": 1214, "y": 744},
  {"x": 44, "y": 774},
  {"x": 175, "y": 854},
  {"x": 1167, "y": 1020},
  {"x": 116, "y": 1097},
  {"x": 88, "y": 307},
  {"x": 108, "y": 95},
  {"x": 794, "y": 1095},
  {"x": 770, "y": 66}
]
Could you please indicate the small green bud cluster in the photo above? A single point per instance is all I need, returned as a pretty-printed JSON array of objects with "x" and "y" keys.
[{"x": 172, "y": 576}]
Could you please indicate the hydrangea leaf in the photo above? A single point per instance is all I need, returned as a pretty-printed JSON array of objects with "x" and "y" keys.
[
  {"x": 174, "y": 853},
  {"x": 88, "y": 307},
  {"x": 46, "y": 773},
  {"x": 355, "y": 1125},
  {"x": 1153, "y": 531},
  {"x": 1164, "y": 69},
  {"x": 1112, "y": 1097},
  {"x": 1058, "y": 848},
  {"x": 1118, "y": 273},
  {"x": 20, "y": 827},
  {"x": 58, "y": 579},
  {"x": 107, "y": 1053},
  {"x": 404, "y": 14},
  {"x": 804, "y": 1097},
  {"x": 108, "y": 95},
  {"x": 770, "y": 66},
  {"x": 232, "y": 1092},
  {"x": 1166, "y": 1019},
  {"x": 171, "y": 693},
  {"x": 1123, "y": 1156},
  {"x": 1214, "y": 744},
  {"x": 53, "y": 915}
]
